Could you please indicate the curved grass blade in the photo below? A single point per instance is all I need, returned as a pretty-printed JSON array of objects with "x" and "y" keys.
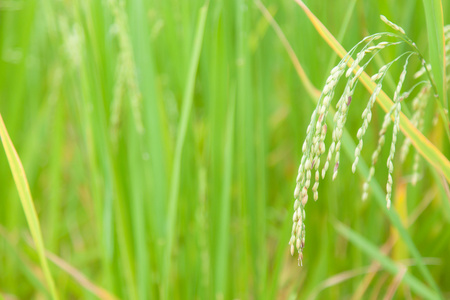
[
  {"x": 350, "y": 274},
  {"x": 310, "y": 88},
  {"x": 27, "y": 204},
  {"x": 388, "y": 264},
  {"x": 79, "y": 277},
  {"x": 188, "y": 98},
  {"x": 420, "y": 142}
]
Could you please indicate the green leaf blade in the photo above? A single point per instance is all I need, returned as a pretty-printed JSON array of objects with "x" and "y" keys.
[{"x": 435, "y": 27}]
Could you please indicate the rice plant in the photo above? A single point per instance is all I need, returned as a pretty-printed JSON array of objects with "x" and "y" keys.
[{"x": 351, "y": 69}]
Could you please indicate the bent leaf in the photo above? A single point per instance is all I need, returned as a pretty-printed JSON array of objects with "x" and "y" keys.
[
  {"x": 388, "y": 264},
  {"x": 27, "y": 203}
]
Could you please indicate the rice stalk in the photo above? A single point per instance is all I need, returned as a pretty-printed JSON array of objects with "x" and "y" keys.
[
  {"x": 397, "y": 109},
  {"x": 314, "y": 145}
]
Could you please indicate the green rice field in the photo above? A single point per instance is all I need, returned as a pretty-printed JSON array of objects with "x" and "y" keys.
[{"x": 150, "y": 150}]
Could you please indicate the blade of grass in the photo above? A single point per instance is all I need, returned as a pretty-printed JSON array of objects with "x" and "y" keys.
[
  {"x": 27, "y": 204},
  {"x": 420, "y": 142},
  {"x": 310, "y": 88},
  {"x": 435, "y": 27},
  {"x": 136, "y": 199},
  {"x": 223, "y": 239},
  {"x": 27, "y": 268},
  {"x": 219, "y": 95},
  {"x": 188, "y": 98},
  {"x": 55, "y": 197},
  {"x": 385, "y": 261},
  {"x": 443, "y": 193},
  {"x": 71, "y": 270},
  {"x": 80, "y": 278},
  {"x": 388, "y": 245},
  {"x": 342, "y": 31},
  {"x": 98, "y": 143},
  {"x": 347, "y": 275},
  {"x": 247, "y": 110},
  {"x": 152, "y": 118}
]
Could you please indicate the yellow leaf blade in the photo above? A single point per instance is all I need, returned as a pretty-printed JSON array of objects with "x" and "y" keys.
[{"x": 26, "y": 200}]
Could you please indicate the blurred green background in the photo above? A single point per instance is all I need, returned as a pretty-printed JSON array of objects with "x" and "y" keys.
[{"x": 162, "y": 152}]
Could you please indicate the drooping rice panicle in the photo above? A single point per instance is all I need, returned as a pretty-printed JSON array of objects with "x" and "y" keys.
[
  {"x": 395, "y": 109},
  {"x": 376, "y": 153},
  {"x": 342, "y": 106},
  {"x": 419, "y": 104},
  {"x": 367, "y": 117},
  {"x": 422, "y": 71},
  {"x": 390, "y": 163},
  {"x": 397, "y": 104},
  {"x": 312, "y": 148},
  {"x": 314, "y": 144},
  {"x": 420, "y": 126},
  {"x": 346, "y": 98},
  {"x": 380, "y": 144},
  {"x": 367, "y": 113},
  {"x": 392, "y": 25}
]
